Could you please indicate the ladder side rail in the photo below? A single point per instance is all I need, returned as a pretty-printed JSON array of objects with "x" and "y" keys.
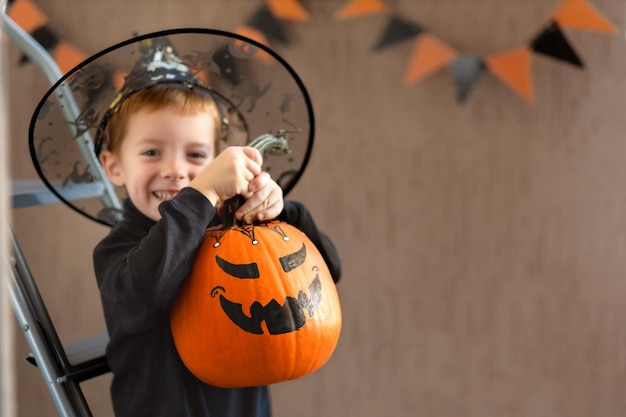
[
  {"x": 36, "y": 340},
  {"x": 33, "y": 302},
  {"x": 41, "y": 336},
  {"x": 31, "y": 48}
]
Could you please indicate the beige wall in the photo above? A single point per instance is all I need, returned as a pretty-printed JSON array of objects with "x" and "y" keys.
[{"x": 483, "y": 245}]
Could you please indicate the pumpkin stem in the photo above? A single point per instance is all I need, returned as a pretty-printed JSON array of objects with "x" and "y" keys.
[
  {"x": 262, "y": 143},
  {"x": 230, "y": 207}
]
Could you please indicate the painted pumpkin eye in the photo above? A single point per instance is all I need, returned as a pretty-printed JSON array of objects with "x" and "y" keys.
[
  {"x": 243, "y": 271},
  {"x": 293, "y": 260}
]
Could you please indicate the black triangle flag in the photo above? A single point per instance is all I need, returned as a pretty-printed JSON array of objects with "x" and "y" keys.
[
  {"x": 264, "y": 21},
  {"x": 552, "y": 42},
  {"x": 397, "y": 30},
  {"x": 466, "y": 71},
  {"x": 227, "y": 65},
  {"x": 45, "y": 37}
]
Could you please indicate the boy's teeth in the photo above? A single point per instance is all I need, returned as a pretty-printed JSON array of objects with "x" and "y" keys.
[{"x": 164, "y": 195}]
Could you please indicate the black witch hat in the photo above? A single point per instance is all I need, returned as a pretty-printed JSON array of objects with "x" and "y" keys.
[{"x": 256, "y": 92}]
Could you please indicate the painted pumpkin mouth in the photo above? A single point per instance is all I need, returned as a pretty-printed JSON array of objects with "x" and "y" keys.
[{"x": 279, "y": 319}]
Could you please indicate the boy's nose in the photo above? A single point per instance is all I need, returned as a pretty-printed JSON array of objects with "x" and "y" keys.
[{"x": 173, "y": 169}]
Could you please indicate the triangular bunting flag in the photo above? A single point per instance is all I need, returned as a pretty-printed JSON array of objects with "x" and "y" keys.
[
  {"x": 288, "y": 10},
  {"x": 429, "y": 54},
  {"x": 225, "y": 66},
  {"x": 579, "y": 14},
  {"x": 67, "y": 57},
  {"x": 264, "y": 21},
  {"x": 513, "y": 68},
  {"x": 27, "y": 16},
  {"x": 361, "y": 7},
  {"x": 466, "y": 71},
  {"x": 255, "y": 35},
  {"x": 45, "y": 37},
  {"x": 119, "y": 77},
  {"x": 398, "y": 30},
  {"x": 552, "y": 42}
]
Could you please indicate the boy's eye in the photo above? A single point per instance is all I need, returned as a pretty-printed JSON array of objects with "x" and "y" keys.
[
  {"x": 199, "y": 155},
  {"x": 150, "y": 152}
]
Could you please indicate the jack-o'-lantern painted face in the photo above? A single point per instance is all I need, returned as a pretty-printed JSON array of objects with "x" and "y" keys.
[
  {"x": 259, "y": 307},
  {"x": 279, "y": 315}
]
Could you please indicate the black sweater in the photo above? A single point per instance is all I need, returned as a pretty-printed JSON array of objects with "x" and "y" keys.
[{"x": 140, "y": 266}]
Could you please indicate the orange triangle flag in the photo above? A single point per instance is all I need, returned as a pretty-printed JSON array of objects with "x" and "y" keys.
[
  {"x": 288, "y": 10},
  {"x": 255, "y": 35},
  {"x": 27, "y": 15},
  {"x": 67, "y": 57},
  {"x": 362, "y": 7},
  {"x": 579, "y": 14},
  {"x": 429, "y": 54},
  {"x": 513, "y": 68},
  {"x": 119, "y": 77}
]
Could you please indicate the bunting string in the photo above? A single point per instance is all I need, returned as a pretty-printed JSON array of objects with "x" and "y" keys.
[
  {"x": 513, "y": 66},
  {"x": 31, "y": 19},
  {"x": 429, "y": 53}
]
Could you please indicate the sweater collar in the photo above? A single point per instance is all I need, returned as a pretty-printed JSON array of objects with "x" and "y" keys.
[{"x": 133, "y": 215}]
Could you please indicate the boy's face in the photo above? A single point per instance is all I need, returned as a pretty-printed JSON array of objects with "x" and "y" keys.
[{"x": 163, "y": 150}]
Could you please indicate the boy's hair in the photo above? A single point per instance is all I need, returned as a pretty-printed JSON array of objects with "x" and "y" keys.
[{"x": 190, "y": 100}]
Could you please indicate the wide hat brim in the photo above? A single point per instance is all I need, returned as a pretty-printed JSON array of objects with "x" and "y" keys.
[{"x": 257, "y": 91}]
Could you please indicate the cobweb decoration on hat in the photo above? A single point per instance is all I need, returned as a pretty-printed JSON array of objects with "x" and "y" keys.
[{"x": 256, "y": 91}]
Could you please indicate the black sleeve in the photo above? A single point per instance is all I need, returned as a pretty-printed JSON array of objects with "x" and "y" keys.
[
  {"x": 297, "y": 215},
  {"x": 141, "y": 273}
]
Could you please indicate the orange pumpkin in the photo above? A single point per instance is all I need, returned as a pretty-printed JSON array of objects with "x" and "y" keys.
[{"x": 259, "y": 307}]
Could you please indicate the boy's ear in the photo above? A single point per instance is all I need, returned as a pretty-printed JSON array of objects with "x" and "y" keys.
[{"x": 112, "y": 168}]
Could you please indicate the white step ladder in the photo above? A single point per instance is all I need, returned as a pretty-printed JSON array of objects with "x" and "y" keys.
[{"x": 62, "y": 366}]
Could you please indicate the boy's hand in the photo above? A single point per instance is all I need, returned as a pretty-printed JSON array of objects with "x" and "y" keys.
[
  {"x": 229, "y": 174},
  {"x": 265, "y": 203}
]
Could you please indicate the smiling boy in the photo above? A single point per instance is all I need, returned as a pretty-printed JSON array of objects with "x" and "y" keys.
[{"x": 159, "y": 142}]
